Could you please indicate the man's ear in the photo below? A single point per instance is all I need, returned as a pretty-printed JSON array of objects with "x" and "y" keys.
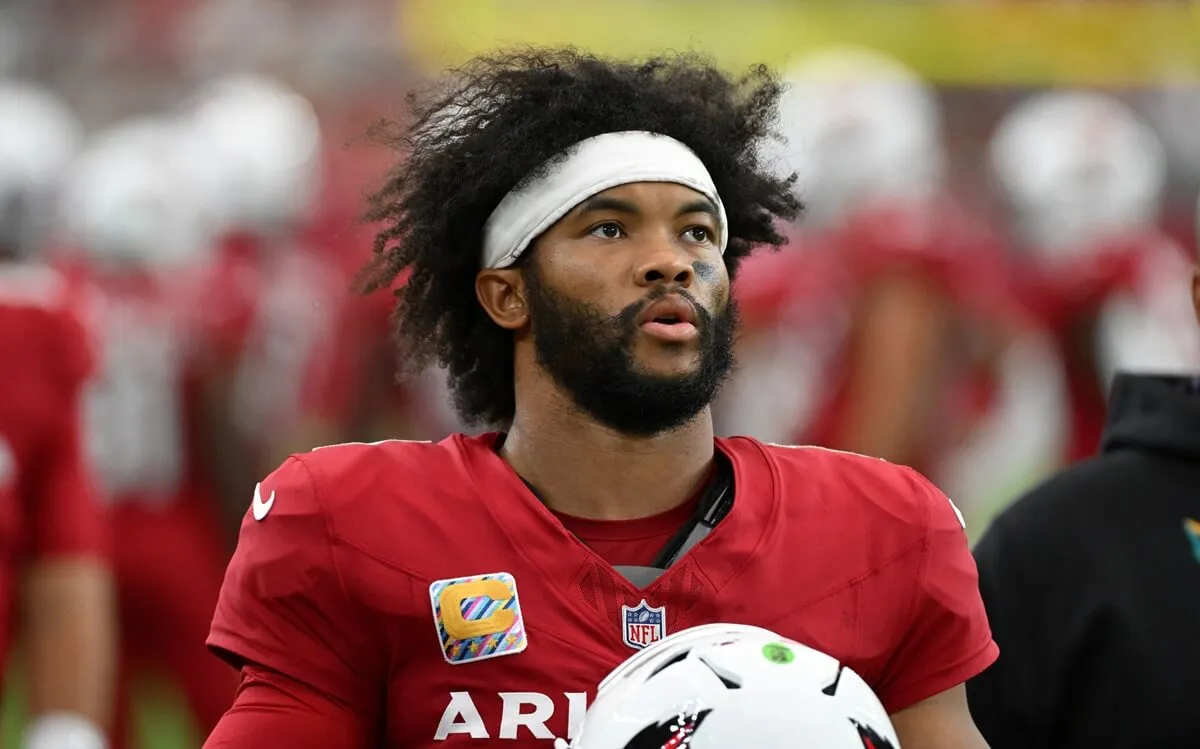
[{"x": 501, "y": 291}]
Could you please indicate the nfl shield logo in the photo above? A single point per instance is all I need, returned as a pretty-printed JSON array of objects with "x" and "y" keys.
[{"x": 643, "y": 625}]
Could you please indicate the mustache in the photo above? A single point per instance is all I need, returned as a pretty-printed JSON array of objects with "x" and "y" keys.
[{"x": 627, "y": 318}]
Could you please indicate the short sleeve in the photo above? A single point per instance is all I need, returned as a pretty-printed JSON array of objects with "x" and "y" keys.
[
  {"x": 283, "y": 604},
  {"x": 948, "y": 639}
]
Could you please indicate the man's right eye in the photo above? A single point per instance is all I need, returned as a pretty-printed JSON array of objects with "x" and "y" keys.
[{"x": 607, "y": 230}]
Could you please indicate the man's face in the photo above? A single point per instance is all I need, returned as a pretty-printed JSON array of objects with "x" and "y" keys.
[{"x": 630, "y": 307}]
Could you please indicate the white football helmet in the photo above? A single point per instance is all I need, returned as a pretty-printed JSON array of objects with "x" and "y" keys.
[
  {"x": 860, "y": 126},
  {"x": 724, "y": 686},
  {"x": 266, "y": 140},
  {"x": 39, "y": 136},
  {"x": 142, "y": 194},
  {"x": 1077, "y": 168}
]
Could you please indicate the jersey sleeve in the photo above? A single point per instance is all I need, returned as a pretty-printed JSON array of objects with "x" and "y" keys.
[
  {"x": 272, "y": 711},
  {"x": 65, "y": 515},
  {"x": 283, "y": 605},
  {"x": 948, "y": 639}
]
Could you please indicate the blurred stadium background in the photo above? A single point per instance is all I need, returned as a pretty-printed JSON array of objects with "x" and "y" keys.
[{"x": 979, "y": 306}]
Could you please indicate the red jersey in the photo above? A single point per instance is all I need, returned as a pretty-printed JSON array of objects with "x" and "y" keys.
[
  {"x": 422, "y": 594},
  {"x": 138, "y": 405},
  {"x": 1066, "y": 295},
  {"x": 802, "y": 310},
  {"x": 47, "y": 502},
  {"x": 275, "y": 309}
]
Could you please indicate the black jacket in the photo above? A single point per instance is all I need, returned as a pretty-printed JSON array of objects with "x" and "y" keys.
[{"x": 1092, "y": 587}]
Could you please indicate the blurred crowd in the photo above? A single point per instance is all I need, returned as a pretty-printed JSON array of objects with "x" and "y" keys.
[{"x": 974, "y": 266}]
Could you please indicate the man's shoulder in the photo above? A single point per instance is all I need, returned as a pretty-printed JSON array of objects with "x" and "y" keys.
[
  {"x": 355, "y": 477},
  {"x": 394, "y": 501},
  {"x": 349, "y": 472},
  {"x": 859, "y": 489}
]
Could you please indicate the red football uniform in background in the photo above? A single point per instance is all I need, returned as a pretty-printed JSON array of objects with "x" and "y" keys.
[
  {"x": 48, "y": 505},
  {"x": 964, "y": 271},
  {"x": 273, "y": 310},
  {"x": 404, "y": 594},
  {"x": 818, "y": 305},
  {"x": 169, "y": 551},
  {"x": 356, "y": 391},
  {"x": 1067, "y": 297}
]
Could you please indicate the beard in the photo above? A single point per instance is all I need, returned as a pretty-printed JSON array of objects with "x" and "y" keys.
[{"x": 589, "y": 354}]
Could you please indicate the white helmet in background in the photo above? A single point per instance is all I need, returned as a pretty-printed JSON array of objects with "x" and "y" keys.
[
  {"x": 1078, "y": 168},
  {"x": 39, "y": 136},
  {"x": 860, "y": 126},
  {"x": 141, "y": 194},
  {"x": 266, "y": 140},
  {"x": 726, "y": 686}
]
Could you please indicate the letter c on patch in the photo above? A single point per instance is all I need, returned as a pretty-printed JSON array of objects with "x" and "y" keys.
[{"x": 451, "y": 599}]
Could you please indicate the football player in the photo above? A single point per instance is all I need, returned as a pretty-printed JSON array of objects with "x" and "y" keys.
[
  {"x": 1084, "y": 177},
  {"x": 280, "y": 296},
  {"x": 571, "y": 224},
  {"x": 51, "y": 526},
  {"x": 137, "y": 212}
]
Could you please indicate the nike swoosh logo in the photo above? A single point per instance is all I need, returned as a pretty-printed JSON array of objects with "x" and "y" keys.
[{"x": 258, "y": 507}]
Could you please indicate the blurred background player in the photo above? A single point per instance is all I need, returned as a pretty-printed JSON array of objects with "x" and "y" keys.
[
  {"x": 726, "y": 686},
  {"x": 871, "y": 322},
  {"x": 138, "y": 215},
  {"x": 276, "y": 294},
  {"x": 1090, "y": 579},
  {"x": 53, "y": 579},
  {"x": 1082, "y": 178}
]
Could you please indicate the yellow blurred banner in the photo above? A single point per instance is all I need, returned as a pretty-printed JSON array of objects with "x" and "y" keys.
[{"x": 1017, "y": 43}]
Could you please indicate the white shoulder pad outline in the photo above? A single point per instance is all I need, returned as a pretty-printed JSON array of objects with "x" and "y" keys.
[
  {"x": 957, "y": 513},
  {"x": 825, "y": 449},
  {"x": 369, "y": 444}
]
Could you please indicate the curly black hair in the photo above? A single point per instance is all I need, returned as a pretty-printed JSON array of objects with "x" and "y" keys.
[{"x": 501, "y": 119}]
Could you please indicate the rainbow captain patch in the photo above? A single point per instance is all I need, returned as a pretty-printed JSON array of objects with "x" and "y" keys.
[{"x": 478, "y": 617}]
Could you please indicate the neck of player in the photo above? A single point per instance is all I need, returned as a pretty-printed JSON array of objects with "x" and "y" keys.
[{"x": 585, "y": 469}]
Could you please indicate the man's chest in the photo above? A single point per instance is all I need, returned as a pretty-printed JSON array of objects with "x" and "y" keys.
[{"x": 516, "y": 656}]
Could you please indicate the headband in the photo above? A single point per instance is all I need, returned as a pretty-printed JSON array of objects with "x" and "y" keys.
[{"x": 592, "y": 166}]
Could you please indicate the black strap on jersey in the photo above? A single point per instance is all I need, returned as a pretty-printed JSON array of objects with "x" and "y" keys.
[{"x": 715, "y": 504}]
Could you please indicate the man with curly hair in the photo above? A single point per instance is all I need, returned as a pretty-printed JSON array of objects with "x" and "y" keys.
[{"x": 569, "y": 226}]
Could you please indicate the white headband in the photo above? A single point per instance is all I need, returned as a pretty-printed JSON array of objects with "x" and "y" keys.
[{"x": 590, "y": 167}]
